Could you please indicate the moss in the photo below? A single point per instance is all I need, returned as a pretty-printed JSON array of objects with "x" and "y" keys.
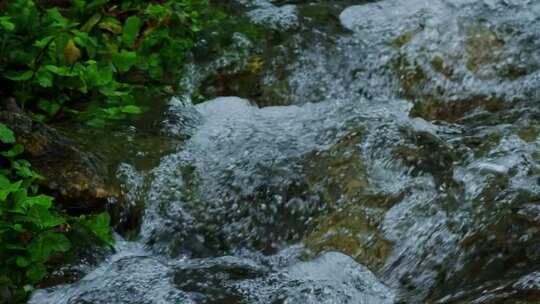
[
  {"x": 482, "y": 46},
  {"x": 354, "y": 232},
  {"x": 529, "y": 133},
  {"x": 406, "y": 37},
  {"x": 339, "y": 172},
  {"x": 410, "y": 74},
  {"x": 438, "y": 64},
  {"x": 455, "y": 110}
]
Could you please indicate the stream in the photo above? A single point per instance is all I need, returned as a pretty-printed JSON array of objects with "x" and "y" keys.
[{"x": 397, "y": 162}]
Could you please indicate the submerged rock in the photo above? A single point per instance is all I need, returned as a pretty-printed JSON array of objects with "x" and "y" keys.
[
  {"x": 331, "y": 278},
  {"x": 353, "y": 231}
]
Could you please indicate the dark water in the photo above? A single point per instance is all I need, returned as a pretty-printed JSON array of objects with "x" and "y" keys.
[{"x": 403, "y": 167}]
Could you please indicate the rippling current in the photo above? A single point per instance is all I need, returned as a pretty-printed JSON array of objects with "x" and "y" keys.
[{"x": 404, "y": 169}]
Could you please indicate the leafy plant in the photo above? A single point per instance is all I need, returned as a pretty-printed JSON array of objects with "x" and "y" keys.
[
  {"x": 32, "y": 230},
  {"x": 96, "y": 51}
]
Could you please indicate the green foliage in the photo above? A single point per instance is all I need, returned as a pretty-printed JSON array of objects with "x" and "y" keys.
[
  {"x": 32, "y": 230},
  {"x": 54, "y": 59}
]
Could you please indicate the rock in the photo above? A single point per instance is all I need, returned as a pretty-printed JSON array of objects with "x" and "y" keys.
[
  {"x": 339, "y": 175},
  {"x": 130, "y": 280},
  {"x": 76, "y": 178},
  {"x": 330, "y": 278},
  {"x": 353, "y": 231}
]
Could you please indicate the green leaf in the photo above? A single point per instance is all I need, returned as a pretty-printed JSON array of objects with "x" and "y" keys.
[
  {"x": 97, "y": 76},
  {"x": 28, "y": 288},
  {"x": 124, "y": 60},
  {"x": 60, "y": 71},
  {"x": 131, "y": 30},
  {"x": 49, "y": 107},
  {"x": 22, "y": 262},
  {"x": 97, "y": 123},
  {"x": 131, "y": 109},
  {"x": 41, "y": 248},
  {"x": 4, "y": 192},
  {"x": 87, "y": 27},
  {"x": 22, "y": 169},
  {"x": 14, "y": 151},
  {"x": 61, "y": 42},
  {"x": 18, "y": 76},
  {"x": 100, "y": 226},
  {"x": 6, "y": 135},
  {"x": 43, "y": 218},
  {"x": 36, "y": 272},
  {"x": 43, "y": 42},
  {"x": 40, "y": 200},
  {"x": 6, "y": 23},
  {"x": 45, "y": 78},
  {"x": 4, "y": 181},
  {"x": 19, "y": 199},
  {"x": 112, "y": 25},
  {"x": 54, "y": 15}
]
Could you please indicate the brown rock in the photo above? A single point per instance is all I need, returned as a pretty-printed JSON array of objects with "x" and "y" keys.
[{"x": 76, "y": 178}]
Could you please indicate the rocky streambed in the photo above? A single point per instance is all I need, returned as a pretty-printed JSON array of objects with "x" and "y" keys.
[{"x": 376, "y": 152}]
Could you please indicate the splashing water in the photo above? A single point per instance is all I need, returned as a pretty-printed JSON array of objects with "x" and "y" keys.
[{"x": 406, "y": 171}]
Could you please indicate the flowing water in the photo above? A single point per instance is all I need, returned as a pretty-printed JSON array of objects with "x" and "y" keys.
[{"x": 403, "y": 168}]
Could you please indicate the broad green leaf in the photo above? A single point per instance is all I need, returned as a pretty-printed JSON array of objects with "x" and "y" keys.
[
  {"x": 96, "y": 3},
  {"x": 98, "y": 123},
  {"x": 4, "y": 192},
  {"x": 131, "y": 30},
  {"x": 14, "y": 151},
  {"x": 49, "y": 107},
  {"x": 61, "y": 42},
  {"x": 4, "y": 181},
  {"x": 97, "y": 75},
  {"x": 131, "y": 109},
  {"x": 58, "y": 20},
  {"x": 22, "y": 168},
  {"x": 6, "y": 23},
  {"x": 40, "y": 200},
  {"x": 43, "y": 218},
  {"x": 28, "y": 288},
  {"x": 89, "y": 25},
  {"x": 18, "y": 228},
  {"x": 60, "y": 71},
  {"x": 43, "y": 42},
  {"x": 6, "y": 135},
  {"x": 36, "y": 272},
  {"x": 112, "y": 25},
  {"x": 22, "y": 262},
  {"x": 154, "y": 67},
  {"x": 19, "y": 199},
  {"x": 124, "y": 60},
  {"x": 45, "y": 78},
  {"x": 18, "y": 76},
  {"x": 41, "y": 247},
  {"x": 100, "y": 226}
]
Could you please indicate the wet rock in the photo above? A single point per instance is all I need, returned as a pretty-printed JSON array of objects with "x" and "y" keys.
[
  {"x": 452, "y": 111},
  {"x": 331, "y": 278},
  {"x": 278, "y": 17},
  {"x": 76, "y": 178},
  {"x": 482, "y": 46},
  {"x": 129, "y": 280},
  {"x": 355, "y": 232},
  {"x": 214, "y": 281},
  {"x": 339, "y": 175}
]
